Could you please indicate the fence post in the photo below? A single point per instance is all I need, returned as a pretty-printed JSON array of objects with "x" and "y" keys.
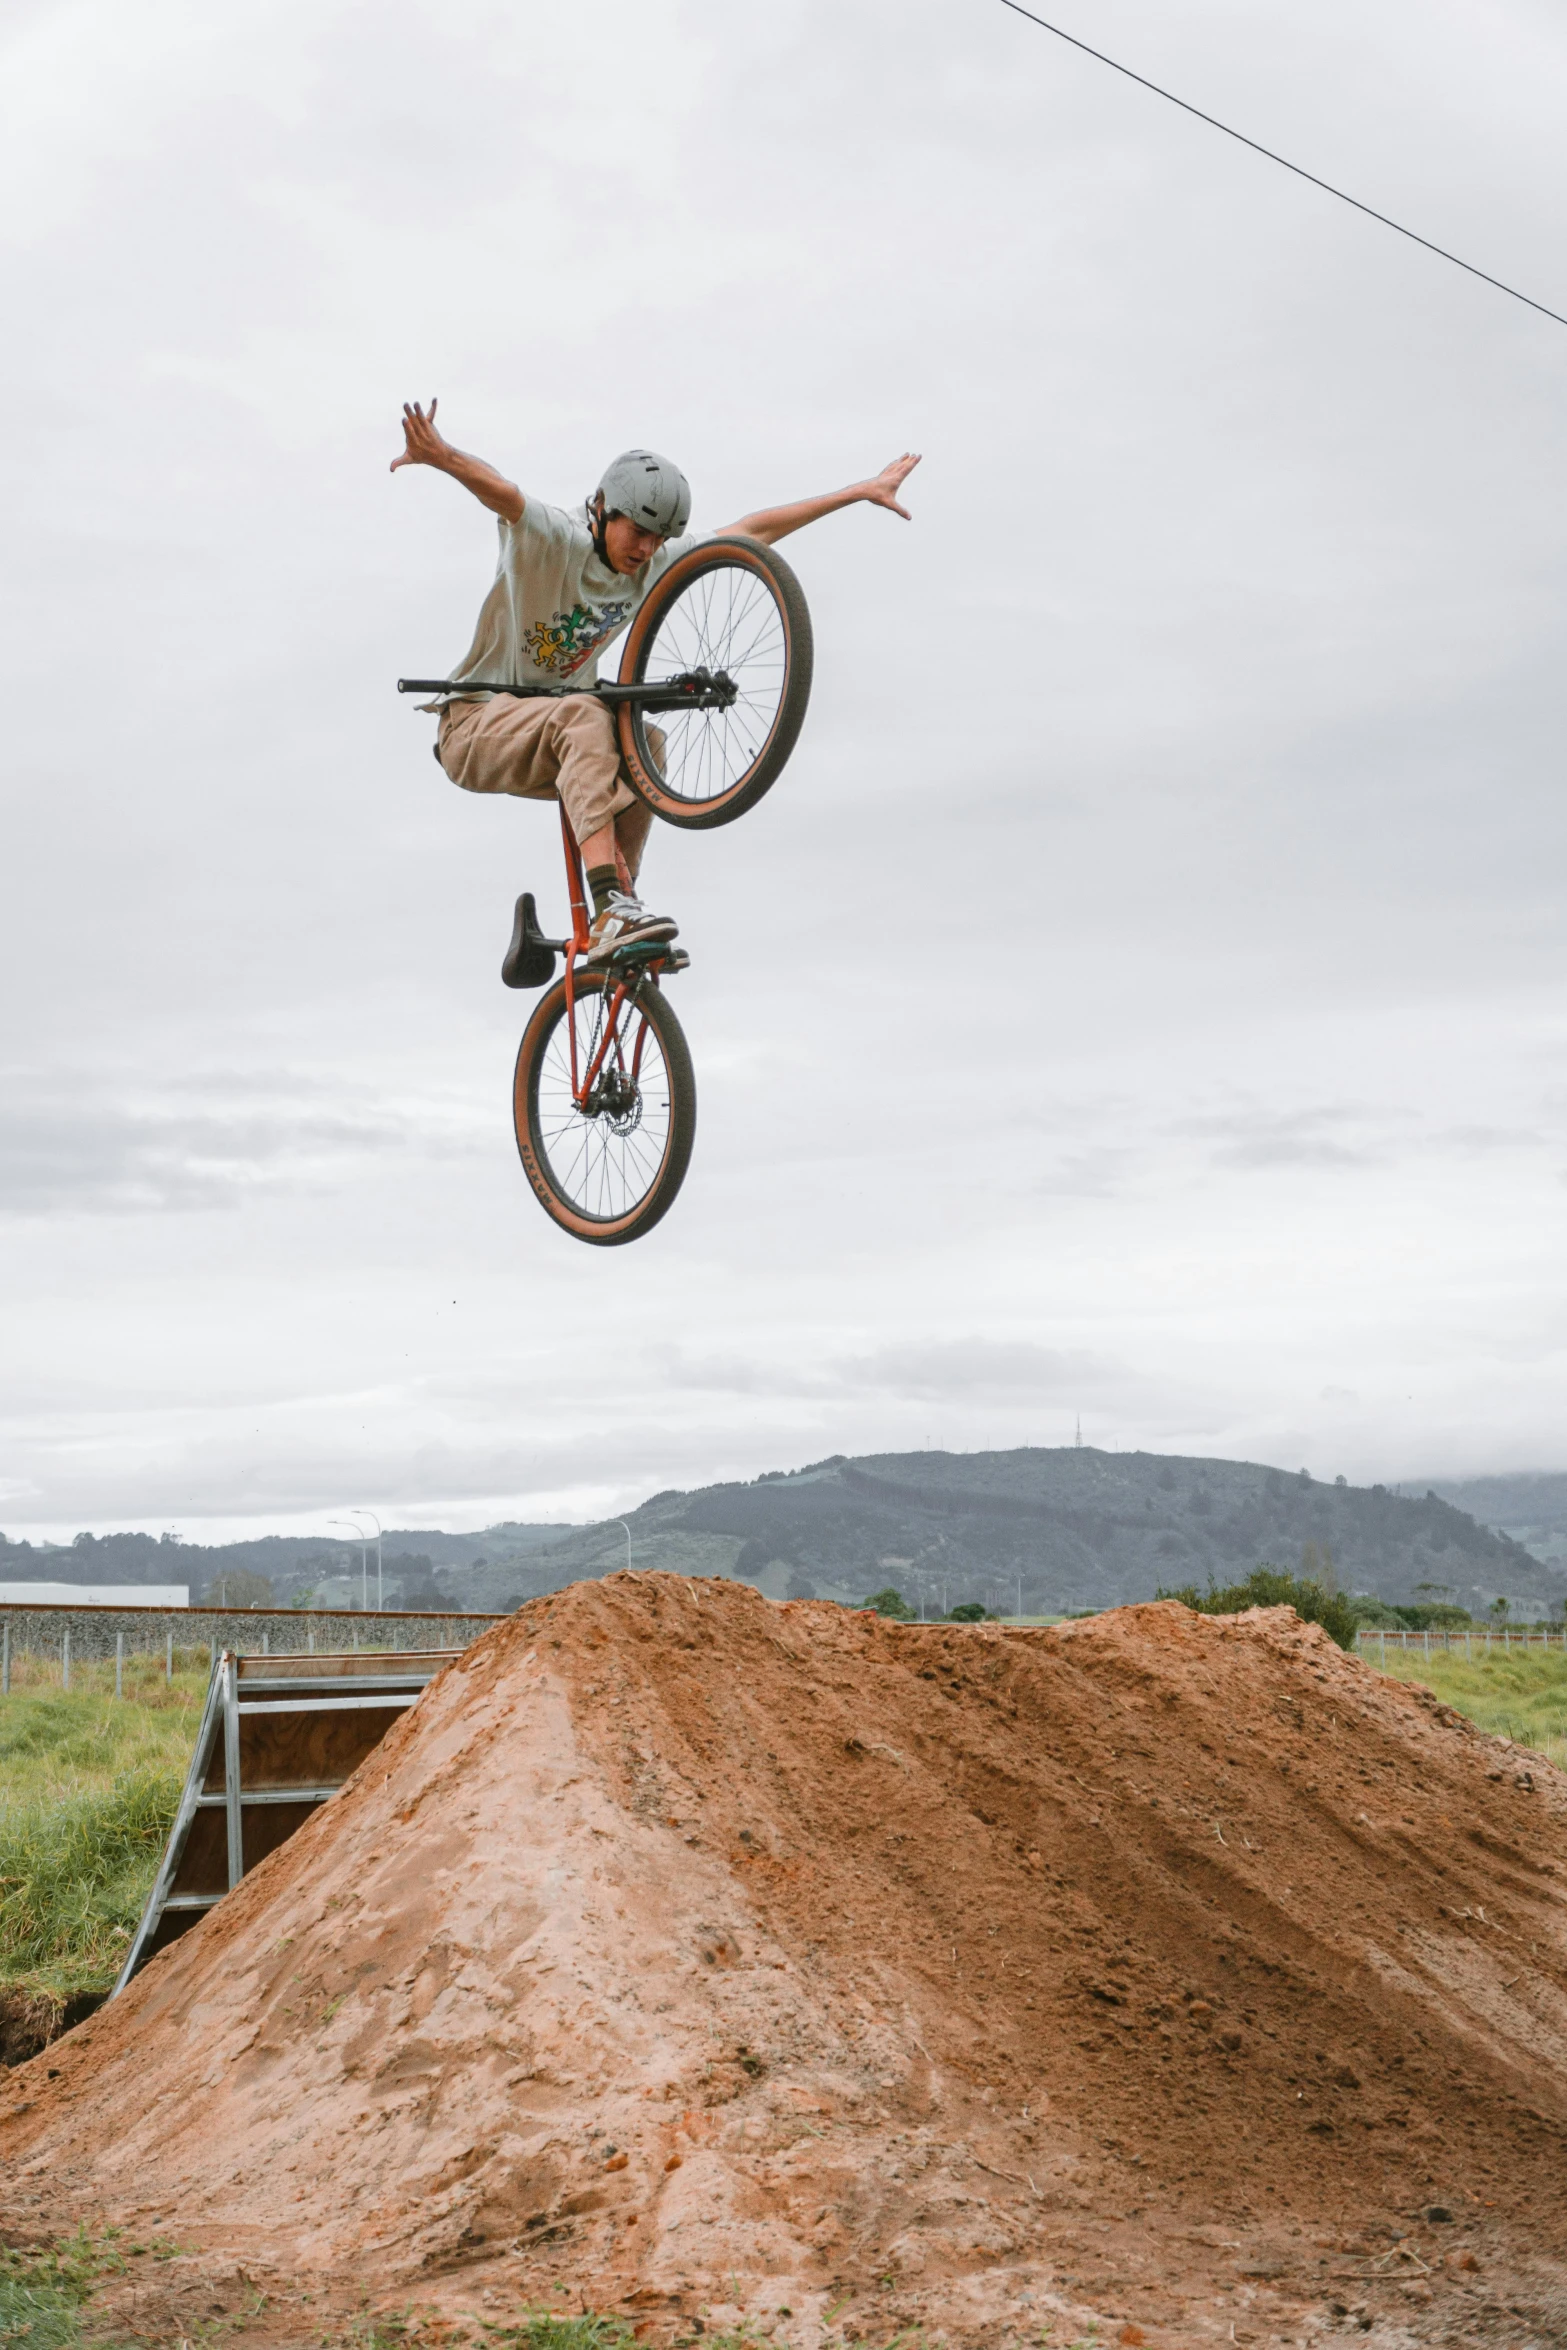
[
  {"x": 65, "y": 1658},
  {"x": 168, "y": 1668},
  {"x": 5, "y": 1664},
  {"x": 212, "y": 1654},
  {"x": 119, "y": 1664}
]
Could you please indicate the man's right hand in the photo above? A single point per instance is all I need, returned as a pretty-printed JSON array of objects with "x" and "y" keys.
[{"x": 422, "y": 444}]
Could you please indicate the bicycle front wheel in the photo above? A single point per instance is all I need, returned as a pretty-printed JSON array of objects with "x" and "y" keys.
[
  {"x": 606, "y": 1168},
  {"x": 734, "y": 608}
]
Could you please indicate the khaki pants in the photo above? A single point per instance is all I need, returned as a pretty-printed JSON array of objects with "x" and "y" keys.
[{"x": 565, "y": 750}]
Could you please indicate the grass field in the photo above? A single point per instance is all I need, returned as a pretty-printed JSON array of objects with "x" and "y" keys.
[
  {"x": 88, "y": 1786},
  {"x": 1521, "y": 1696}
]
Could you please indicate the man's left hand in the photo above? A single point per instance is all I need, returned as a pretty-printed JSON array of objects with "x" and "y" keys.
[{"x": 883, "y": 491}]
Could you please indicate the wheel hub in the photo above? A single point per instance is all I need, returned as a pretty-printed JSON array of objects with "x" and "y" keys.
[{"x": 615, "y": 1097}]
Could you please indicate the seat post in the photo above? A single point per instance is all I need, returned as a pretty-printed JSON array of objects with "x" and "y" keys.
[{"x": 576, "y": 886}]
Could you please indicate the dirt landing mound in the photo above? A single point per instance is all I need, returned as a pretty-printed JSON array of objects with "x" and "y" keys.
[{"x": 684, "y": 1952}]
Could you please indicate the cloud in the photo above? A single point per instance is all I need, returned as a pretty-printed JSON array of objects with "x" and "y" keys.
[
  {"x": 930, "y": 1368},
  {"x": 1367, "y": 1134},
  {"x": 1136, "y": 994},
  {"x": 193, "y": 1144},
  {"x": 1266, "y": 1138},
  {"x": 1480, "y": 1140},
  {"x": 985, "y": 1370},
  {"x": 1092, "y": 1173}
]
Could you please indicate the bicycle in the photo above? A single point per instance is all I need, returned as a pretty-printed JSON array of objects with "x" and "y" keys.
[{"x": 604, "y": 1095}]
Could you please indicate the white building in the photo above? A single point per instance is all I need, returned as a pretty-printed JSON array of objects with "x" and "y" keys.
[{"x": 94, "y": 1595}]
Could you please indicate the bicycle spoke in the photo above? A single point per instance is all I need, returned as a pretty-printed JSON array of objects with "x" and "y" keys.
[
  {"x": 604, "y": 1158},
  {"x": 728, "y": 621}
]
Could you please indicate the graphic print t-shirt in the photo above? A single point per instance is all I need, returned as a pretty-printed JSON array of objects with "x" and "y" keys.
[{"x": 554, "y": 605}]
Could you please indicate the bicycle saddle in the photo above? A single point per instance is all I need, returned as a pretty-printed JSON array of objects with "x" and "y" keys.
[{"x": 530, "y": 959}]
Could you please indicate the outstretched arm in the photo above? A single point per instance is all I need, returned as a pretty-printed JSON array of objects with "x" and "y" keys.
[
  {"x": 776, "y": 522},
  {"x": 423, "y": 445}
]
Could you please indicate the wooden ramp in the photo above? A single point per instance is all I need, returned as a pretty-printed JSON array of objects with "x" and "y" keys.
[{"x": 279, "y": 1735}]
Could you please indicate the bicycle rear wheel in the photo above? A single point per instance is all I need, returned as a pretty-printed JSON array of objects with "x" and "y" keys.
[
  {"x": 608, "y": 1170},
  {"x": 732, "y": 607}
]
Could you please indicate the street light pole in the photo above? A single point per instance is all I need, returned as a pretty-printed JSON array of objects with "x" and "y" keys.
[
  {"x": 364, "y": 1560},
  {"x": 626, "y": 1530},
  {"x": 380, "y": 1587}
]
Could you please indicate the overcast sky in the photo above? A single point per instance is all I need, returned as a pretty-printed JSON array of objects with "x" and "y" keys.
[{"x": 1142, "y": 996}]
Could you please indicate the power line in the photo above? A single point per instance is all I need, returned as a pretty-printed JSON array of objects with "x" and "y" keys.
[{"x": 1257, "y": 148}]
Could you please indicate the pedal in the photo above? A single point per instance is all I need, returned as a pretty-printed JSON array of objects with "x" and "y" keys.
[
  {"x": 638, "y": 950},
  {"x": 529, "y": 961},
  {"x": 651, "y": 954}
]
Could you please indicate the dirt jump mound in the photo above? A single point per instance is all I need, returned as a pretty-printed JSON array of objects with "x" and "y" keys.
[{"x": 702, "y": 1960}]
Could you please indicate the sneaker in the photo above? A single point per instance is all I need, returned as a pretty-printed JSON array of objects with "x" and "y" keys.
[{"x": 625, "y": 922}]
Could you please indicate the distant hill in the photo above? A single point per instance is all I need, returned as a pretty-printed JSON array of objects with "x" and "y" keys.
[
  {"x": 1531, "y": 1508},
  {"x": 1050, "y": 1530},
  {"x": 413, "y": 1561},
  {"x": 1062, "y": 1529}
]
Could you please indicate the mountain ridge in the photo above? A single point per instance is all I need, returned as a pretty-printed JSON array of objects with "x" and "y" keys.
[{"x": 1035, "y": 1530}]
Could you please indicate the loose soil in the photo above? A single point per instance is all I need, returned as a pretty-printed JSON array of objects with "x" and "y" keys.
[
  {"x": 31, "y": 2020},
  {"x": 687, "y": 1956}
]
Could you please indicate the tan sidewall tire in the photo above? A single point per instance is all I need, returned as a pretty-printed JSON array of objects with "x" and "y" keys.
[
  {"x": 605, "y": 1233},
  {"x": 765, "y": 563}
]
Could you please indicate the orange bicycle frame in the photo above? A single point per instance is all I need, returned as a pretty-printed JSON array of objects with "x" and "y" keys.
[{"x": 576, "y": 890}]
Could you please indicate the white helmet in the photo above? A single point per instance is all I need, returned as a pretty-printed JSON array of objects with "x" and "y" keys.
[{"x": 648, "y": 490}]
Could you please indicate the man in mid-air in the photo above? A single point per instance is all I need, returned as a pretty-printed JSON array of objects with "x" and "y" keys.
[{"x": 564, "y": 588}]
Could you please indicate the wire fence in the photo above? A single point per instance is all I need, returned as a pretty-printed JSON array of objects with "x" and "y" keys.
[
  {"x": 67, "y": 1638},
  {"x": 1476, "y": 1640}
]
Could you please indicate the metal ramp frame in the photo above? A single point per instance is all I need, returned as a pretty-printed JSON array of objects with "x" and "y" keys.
[{"x": 279, "y": 1735}]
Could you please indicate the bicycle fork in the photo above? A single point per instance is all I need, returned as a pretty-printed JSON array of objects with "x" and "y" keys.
[{"x": 583, "y": 1082}]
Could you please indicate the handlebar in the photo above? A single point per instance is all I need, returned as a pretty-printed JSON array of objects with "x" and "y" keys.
[{"x": 694, "y": 689}]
